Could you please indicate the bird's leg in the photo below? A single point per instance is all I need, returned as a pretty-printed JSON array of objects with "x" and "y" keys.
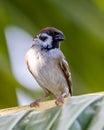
[
  {"x": 60, "y": 99},
  {"x": 37, "y": 101}
]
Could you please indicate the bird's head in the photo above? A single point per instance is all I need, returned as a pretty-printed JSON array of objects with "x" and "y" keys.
[{"x": 49, "y": 38}]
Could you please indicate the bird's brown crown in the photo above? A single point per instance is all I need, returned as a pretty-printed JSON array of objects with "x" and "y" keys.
[{"x": 50, "y": 30}]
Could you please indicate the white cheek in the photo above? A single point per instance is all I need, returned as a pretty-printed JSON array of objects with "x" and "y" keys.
[
  {"x": 48, "y": 42},
  {"x": 44, "y": 43}
]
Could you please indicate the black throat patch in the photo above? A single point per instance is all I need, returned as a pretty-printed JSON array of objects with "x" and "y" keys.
[{"x": 54, "y": 45}]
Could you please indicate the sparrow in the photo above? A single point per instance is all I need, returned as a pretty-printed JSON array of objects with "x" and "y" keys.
[{"x": 48, "y": 65}]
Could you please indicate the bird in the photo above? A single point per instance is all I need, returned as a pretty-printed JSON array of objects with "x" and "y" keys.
[{"x": 48, "y": 65}]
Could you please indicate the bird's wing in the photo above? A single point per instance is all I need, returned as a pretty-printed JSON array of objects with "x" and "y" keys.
[{"x": 65, "y": 68}]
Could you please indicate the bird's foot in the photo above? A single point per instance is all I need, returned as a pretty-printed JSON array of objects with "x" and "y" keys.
[
  {"x": 59, "y": 100},
  {"x": 35, "y": 103}
]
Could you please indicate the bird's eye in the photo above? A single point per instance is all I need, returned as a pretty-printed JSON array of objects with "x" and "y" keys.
[{"x": 43, "y": 38}]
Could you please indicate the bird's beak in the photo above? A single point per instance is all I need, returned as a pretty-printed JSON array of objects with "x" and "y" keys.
[{"x": 60, "y": 37}]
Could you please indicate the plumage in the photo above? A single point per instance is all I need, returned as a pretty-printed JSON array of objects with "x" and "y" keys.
[{"x": 47, "y": 64}]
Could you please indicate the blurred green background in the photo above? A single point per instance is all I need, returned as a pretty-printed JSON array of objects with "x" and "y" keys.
[{"x": 82, "y": 22}]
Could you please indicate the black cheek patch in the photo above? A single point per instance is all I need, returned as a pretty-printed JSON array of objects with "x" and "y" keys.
[{"x": 43, "y": 38}]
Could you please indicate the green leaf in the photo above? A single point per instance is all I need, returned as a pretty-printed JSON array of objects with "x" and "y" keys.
[{"x": 79, "y": 112}]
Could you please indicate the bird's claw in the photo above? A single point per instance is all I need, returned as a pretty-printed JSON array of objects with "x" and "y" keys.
[
  {"x": 35, "y": 103},
  {"x": 59, "y": 100}
]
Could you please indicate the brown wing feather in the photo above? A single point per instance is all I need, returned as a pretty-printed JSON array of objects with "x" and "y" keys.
[{"x": 65, "y": 68}]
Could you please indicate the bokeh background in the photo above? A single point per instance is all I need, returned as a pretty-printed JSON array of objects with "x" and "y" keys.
[{"x": 82, "y": 22}]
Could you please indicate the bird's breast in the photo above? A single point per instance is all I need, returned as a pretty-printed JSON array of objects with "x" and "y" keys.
[{"x": 45, "y": 69}]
